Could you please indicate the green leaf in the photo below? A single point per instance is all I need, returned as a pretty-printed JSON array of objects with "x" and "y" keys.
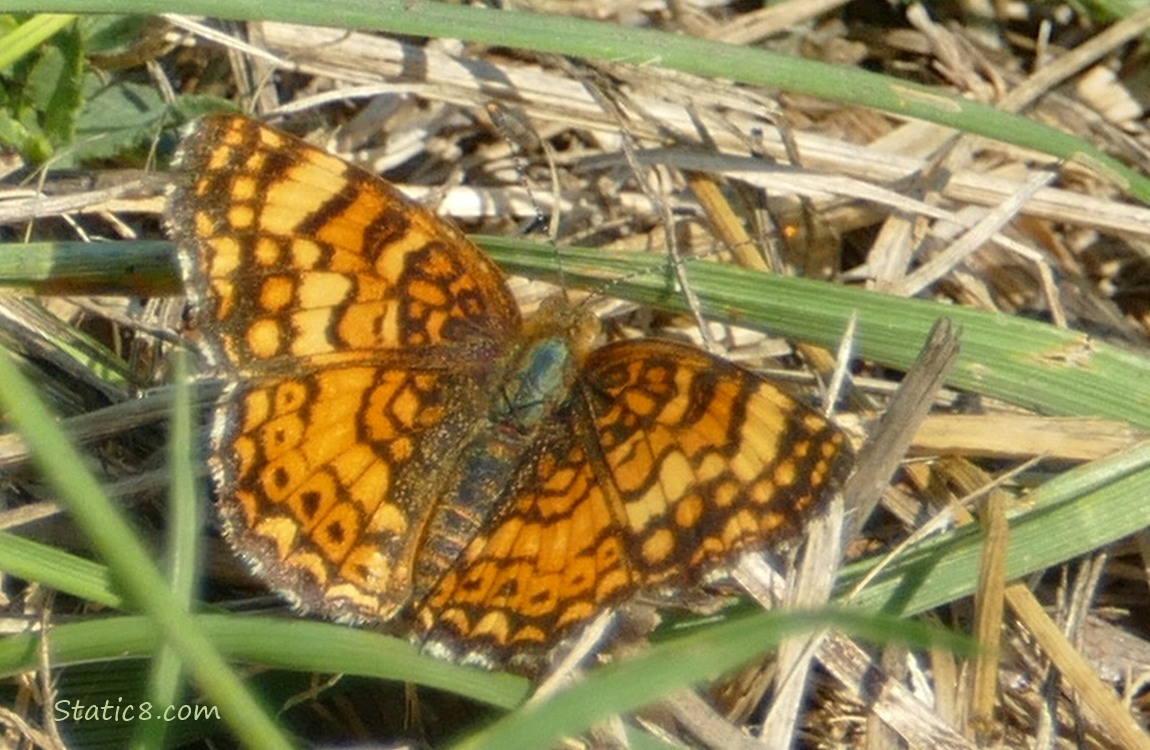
[
  {"x": 108, "y": 34},
  {"x": 22, "y": 38},
  {"x": 63, "y": 103},
  {"x": 118, "y": 116}
]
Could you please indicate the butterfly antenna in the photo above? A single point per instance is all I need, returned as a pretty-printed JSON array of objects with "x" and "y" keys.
[
  {"x": 521, "y": 138},
  {"x": 594, "y": 87}
]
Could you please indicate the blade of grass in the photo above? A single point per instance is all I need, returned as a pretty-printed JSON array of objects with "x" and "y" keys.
[
  {"x": 1025, "y": 362},
  {"x": 144, "y": 268},
  {"x": 133, "y": 572},
  {"x": 56, "y": 569},
  {"x": 30, "y": 35},
  {"x": 272, "y": 642},
  {"x": 682, "y": 662},
  {"x": 1078, "y": 511},
  {"x": 595, "y": 40},
  {"x": 183, "y": 531}
]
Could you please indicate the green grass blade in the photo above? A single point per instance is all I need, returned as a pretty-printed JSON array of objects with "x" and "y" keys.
[
  {"x": 1079, "y": 511},
  {"x": 143, "y": 268},
  {"x": 57, "y": 570},
  {"x": 1025, "y": 362},
  {"x": 30, "y": 35},
  {"x": 273, "y": 642},
  {"x": 595, "y": 40},
  {"x": 682, "y": 662},
  {"x": 111, "y": 535},
  {"x": 185, "y": 522}
]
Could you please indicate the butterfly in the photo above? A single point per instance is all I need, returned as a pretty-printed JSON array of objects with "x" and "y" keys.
[{"x": 397, "y": 442}]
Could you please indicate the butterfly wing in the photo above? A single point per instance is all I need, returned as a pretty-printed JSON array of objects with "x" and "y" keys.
[
  {"x": 357, "y": 334},
  {"x": 663, "y": 465},
  {"x": 296, "y": 257}
]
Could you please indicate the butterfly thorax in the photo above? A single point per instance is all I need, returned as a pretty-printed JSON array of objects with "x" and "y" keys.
[
  {"x": 540, "y": 372},
  {"x": 538, "y": 383}
]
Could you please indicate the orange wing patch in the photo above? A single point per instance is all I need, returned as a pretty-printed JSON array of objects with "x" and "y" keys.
[
  {"x": 296, "y": 256},
  {"x": 325, "y": 473},
  {"x": 393, "y": 439},
  {"x": 668, "y": 463}
]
